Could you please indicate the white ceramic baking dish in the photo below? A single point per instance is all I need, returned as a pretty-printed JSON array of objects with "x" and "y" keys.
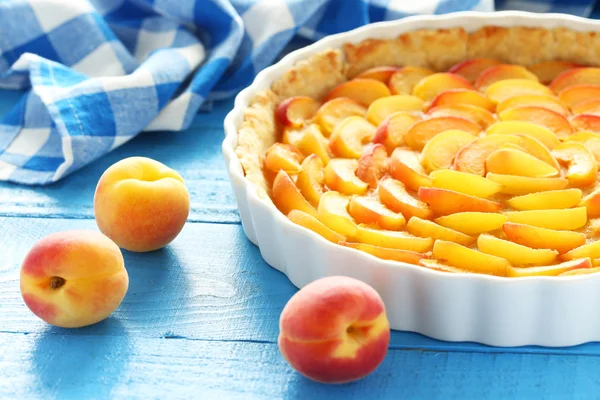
[{"x": 545, "y": 311}]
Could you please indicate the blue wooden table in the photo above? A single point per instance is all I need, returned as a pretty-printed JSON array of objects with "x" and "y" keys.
[{"x": 200, "y": 319}]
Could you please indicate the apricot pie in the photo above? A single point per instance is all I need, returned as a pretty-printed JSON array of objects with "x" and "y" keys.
[{"x": 461, "y": 152}]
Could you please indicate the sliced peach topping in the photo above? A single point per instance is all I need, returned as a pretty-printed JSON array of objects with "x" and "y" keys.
[
  {"x": 472, "y": 68},
  {"x": 404, "y": 80},
  {"x": 285, "y": 157},
  {"x": 580, "y": 271},
  {"x": 576, "y": 94},
  {"x": 393, "y": 195},
  {"x": 463, "y": 257},
  {"x": 444, "y": 202},
  {"x": 591, "y": 250},
  {"x": 535, "y": 100},
  {"x": 333, "y": 212},
  {"x": 553, "y": 199},
  {"x": 381, "y": 74},
  {"x": 590, "y": 140},
  {"x": 479, "y": 115},
  {"x": 311, "y": 222},
  {"x": 439, "y": 152},
  {"x": 393, "y": 240},
  {"x": 543, "y": 238},
  {"x": 294, "y": 111},
  {"x": 362, "y": 90},
  {"x": 392, "y": 130},
  {"x": 518, "y": 185},
  {"x": 287, "y": 197},
  {"x": 546, "y": 71},
  {"x": 591, "y": 106},
  {"x": 428, "y": 229},
  {"x": 471, "y": 158},
  {"x": 311, "y": 179},
  {"x": 404, "y": 166},
  {"x": 407, "y": 256},
  {"x": 369, "y": 210},
  {"x": 541, "y": 133},
  {"x": 581, "y": 163},
  {"x": 586, "y": 122},
  {"x": 463, "y": 96},
  {"x": 560, "y": 219},
  {"x": 372, "y": 164},
  {"x": 592, "y": 203},
  {"x": 349, "y": 137},
  {"x": 515, "y": 253},
  {"x": 335, "y": 111},
  {"x": 421, "y": 132},
  {"x": 382, "y": 108},
  {"x": 549, "y": 270},
  {"x": 502, "y": 90},
  {"x": 554, "y": 121},
  {"x": 313, "y": 142},
  {"x": 502, "y": 72},
  {"x": 516, "y": 162},
  {"x": 465, "y": 183},
  {"x": 575, "y": 76},
  {"x": 340, "y": 176},
  {"x": 438, "y": 266},
  {"x": 432, "y": 85},
  {"x": 472, "y": 222}
]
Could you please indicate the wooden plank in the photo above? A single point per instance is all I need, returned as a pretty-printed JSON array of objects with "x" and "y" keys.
[
  {"x": 47, "y": 366},
  {"x": 195, "y": 154}
]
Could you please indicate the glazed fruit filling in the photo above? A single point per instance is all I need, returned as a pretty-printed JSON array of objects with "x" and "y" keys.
[{"x": 487, "y": 168}]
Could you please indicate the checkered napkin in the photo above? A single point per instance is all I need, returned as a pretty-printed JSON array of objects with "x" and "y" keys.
[{"x": 98, "y": 72}]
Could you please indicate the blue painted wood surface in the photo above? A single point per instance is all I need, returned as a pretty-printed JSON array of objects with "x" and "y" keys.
[{"x": 201, "y": 317}]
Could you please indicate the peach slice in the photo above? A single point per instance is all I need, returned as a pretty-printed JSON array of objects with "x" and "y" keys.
[
  {"x": 561, "y": 219},
  {"x": 404, "y": 166},
  {"x": 439, "y": 152},
  {"x": 463, "y": 257},
  {"x": 502, "y": 90},
  {"x": 287, "y": 197},
  {"x": 471, "y": 158},
  {"x": 369, "y": 210},
  {"x": 472, "y": 223},
  {"x": 393, "y": 195},
  {"x": 519, "y": 185},
  {"x": 463, "y": 96},
  {"x": 575, "y": 76},
  {"x": 432, "y": 85},
  {"x": 311, "y": 179},
  {"x": 444, "y": 202},
  {"x": 534, "y": 147},
  {"x": 349, "y": 136},
  {"x": 335, "y": 111},
  {"x": 586, "y": 122},
  {"x": 576, "y": 94},
  {"x": 406, "y": 256},
  {"x": 503, "y": 72},
  {"x": 549, "y": 270},
  {"x": 310, "y": 222},
  {"x": 546, "y": 71},
  {"x": 581, "y": 271},
  {"x": 554, "y": 121},
  {"x": 591, "y": 106},
  {"x": 553, "y": 199},
  {"x": 372, "y": 164},
  {"x": 591, "y": 250},
  {"x": 516, "y": 254},
  {"x": 294, "y": 111},
  {"x": 472, "y": 68},
  {"x": 404, "y": 80},
  {"x": 535, "y": 100},
  {"x": 313, "y": 142},
  {"x": 436, "y": 265},
  {"x": 542, "y": 238},
  {"x": 393, "y": 240},
  {"x": 392, "y": 130},
  {"x": 340, "y": 177},
  {"x": 581, "y": 163},
  {"x": 592, "y": 203},
  {"x": 292, "y": 135},
  {"x": 363, "y": 91},
  {"x": 382, "y": 108},
  {"x": 428, "y": 229},
  {"x": 381, "y": 74},
  {"x": 285, "y": 157},
  {"x": 333, "y": 213},
  {"x": 421, "y": 132},
  {"x": 516, "y": 162},
  {"x": 541, "y": 133},
  {"x": 479, "y": 115},
  {"x": 465, "y": 183}
]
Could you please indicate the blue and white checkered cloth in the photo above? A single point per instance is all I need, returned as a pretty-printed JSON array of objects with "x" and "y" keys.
[{"x": 98, "y": 72}]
